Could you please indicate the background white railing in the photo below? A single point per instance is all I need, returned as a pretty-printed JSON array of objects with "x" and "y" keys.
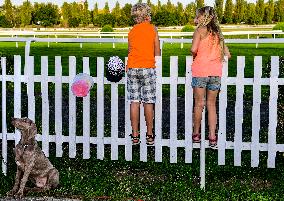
[
  {"x": 78, "y": 34},
  {"x": 173, "y": 81}
]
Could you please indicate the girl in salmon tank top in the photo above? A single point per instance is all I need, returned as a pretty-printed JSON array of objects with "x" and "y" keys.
[{"x": 209, "y": 51}]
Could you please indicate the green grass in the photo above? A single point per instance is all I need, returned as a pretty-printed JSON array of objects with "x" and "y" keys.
[
  {"x": 121, "y": 180},
  {"x": 94, "y": 50}
]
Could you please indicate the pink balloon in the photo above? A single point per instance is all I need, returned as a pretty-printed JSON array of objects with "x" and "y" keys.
[{"x": 80, "y": 88}]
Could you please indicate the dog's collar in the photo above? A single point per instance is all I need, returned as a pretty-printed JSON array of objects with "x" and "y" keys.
[{"x": 25, "y": 145}]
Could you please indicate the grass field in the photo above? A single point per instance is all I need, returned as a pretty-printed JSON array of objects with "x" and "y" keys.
[
  {"x": 105, "y": 50},
  {"x": 121, "y": 180}
]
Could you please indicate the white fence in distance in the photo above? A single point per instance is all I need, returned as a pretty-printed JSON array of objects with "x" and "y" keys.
[{"x": 173, "y": 143}]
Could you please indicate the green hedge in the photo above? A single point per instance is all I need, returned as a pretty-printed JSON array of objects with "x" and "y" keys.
[{"x": 279, "y": 26}]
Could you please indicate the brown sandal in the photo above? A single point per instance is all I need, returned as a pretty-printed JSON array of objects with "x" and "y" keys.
[
  {"x": 135, "y": 139},
  {"x": 213, "y": 141},
  {"x": 150, "y": 139},
  {"x": 196, "y": 138}
]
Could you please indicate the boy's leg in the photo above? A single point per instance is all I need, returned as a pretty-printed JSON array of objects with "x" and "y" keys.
[
  {"x": 134, "y": 96},
  {"x": 134, "y": 117},
  {"x": 148, "y": 97},
  {"x": 199, "y": 103},
  {"x": 149, "y": 116}
]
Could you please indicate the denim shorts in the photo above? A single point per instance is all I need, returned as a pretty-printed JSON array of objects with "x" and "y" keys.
[
  {"x": 141, "y": 85},
  {"x": 212, "y": 83}
]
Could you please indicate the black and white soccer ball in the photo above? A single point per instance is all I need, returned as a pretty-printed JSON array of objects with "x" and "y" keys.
[{"x": 115, "y": 69}]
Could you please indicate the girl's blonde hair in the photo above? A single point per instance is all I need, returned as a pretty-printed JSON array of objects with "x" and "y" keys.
[
  {"x": 210, "y": 21},
  {"x": 140, "y": 12}
]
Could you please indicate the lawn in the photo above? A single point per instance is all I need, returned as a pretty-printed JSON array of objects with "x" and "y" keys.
[
  {"x": 94, "y": 50},
  {"x": 121, "y": 180}
]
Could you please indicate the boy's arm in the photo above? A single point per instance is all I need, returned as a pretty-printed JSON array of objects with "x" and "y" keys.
[
  {"x": 195, "y": 43},
  {"x": 227, "y": 52},
  {"x": 157, "y": 44},
  {"x": 126, "y": 67}
]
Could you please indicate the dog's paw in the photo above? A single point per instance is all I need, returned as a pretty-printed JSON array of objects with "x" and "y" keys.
[
  {"x": 11, "y": 193},
  {"x": 19, "y": 195}
]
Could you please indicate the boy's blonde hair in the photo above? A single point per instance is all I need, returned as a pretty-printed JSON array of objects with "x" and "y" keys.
[{"x": 140, "y": 12}]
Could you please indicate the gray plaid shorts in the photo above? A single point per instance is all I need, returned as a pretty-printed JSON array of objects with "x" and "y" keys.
[
  {"x": 211, "y": 83},
  {"x": 141, "y": 85}
]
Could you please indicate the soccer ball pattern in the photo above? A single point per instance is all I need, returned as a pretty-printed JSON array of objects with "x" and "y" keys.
[{"x": 114, "y": 69}]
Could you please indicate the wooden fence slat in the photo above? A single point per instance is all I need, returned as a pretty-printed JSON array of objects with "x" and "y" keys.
[
  {"x": 45, "y": 105},
  {"x": 30, "y": 87},
  {"x": 58, "y": 106},
  {"x": 202, "y": 152},
  {"x": 4, "y": 117},
  {"x": 239, "y": 111},
  {"x": 173, "y": 108},
  {"x": 273, "y": 112},
  {"x": 158, "y": 112},
  {"x": 188, "y": 111},
  {"x": 143, "y": 146},
  {"x": 128, "y": 143},
  {"x": 222, "y": 115},
  {"x": 100, "y": 108},
  {"x": 256, "y": 111},
  {"x": 86, "y": 114},
  {"x": 17, "y": 93},
  {"x": 114, "y": 121},
  {"x": 72, "y": 109}
]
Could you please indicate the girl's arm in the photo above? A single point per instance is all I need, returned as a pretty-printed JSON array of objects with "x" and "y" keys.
[
  {"x": 195, "y": 43},
  {"x": 227, "y": 52},
  {"x": 157, "y": 44}
]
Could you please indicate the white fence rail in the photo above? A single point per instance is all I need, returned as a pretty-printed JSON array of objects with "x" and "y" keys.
[
  {"x": 99, "y": 138},
  {"x": 125, "y": 34}
]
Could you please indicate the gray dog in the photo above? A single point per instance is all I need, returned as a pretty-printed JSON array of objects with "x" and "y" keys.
[{"x": 31, "y": 162}]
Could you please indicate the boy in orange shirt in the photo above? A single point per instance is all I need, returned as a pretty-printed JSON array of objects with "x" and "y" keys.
[{"x": 143, "y": 46}]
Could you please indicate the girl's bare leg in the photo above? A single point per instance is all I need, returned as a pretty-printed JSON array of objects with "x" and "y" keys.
[
  {"x": 212, "y": 115},
  {"x": 199, "y": 99}
]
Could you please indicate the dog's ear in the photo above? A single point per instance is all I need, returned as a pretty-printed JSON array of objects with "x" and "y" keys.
[{"x": 32, "y": 131}]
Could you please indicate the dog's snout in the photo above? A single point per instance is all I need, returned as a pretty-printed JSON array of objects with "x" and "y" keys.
[{"x": 13, "y": 120}]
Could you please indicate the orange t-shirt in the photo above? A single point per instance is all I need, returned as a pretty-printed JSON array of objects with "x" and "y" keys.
[
  {"x": 208, "y": 60},
  {"x": 142, "y": 46}
]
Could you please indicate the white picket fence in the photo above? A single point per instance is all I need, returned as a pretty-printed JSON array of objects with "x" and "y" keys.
[{"x": 173, "y": 143}]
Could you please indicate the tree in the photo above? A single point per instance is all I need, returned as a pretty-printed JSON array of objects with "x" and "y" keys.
[
  {"x": 259, "y": 11},
  {"x": 199, "y": 3},
  {"x": 8, "y": 12},
  {"x": 180, "y": 16},
  {"x": 126, "y": 18},
  {"x": 3, "y": 22},
  {"x": 278, "y": 11},
  {"x": 46, "y": 14},
  {"x": 219, "y": 9},
  {"x": 239, "y": 12},
  {"x": 66, "y": 14},
  {"x": 251, "y": 16},
  {"x": 106, "y": 19},
  {"x": 116, "y": 12},
  {"x": 190, "y": 11},
  {"x": 26, "y": 13},
  {"x": 106, "y": 8},
  {"x": 228, "y": 13},
  {"x": 269, "y": 12},
  {"x": 86, "y": 14},
  {"x": 95, "y": 14}
]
